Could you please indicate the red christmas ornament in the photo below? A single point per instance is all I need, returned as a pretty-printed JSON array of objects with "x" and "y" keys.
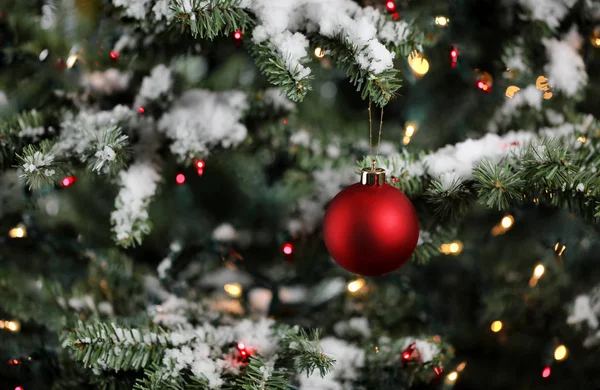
[
  {"x": 371, "y": 228},
  {"x": 114, "y": 55},
  {"x": 68, "y": 181}
]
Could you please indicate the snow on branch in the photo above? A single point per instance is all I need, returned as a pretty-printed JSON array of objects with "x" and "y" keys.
[
  {"x": 361, "y": 40},
  {"x": 566, "y": 68},
  {"x": 130, "y": 218},
  {"x": 201, "y": 120},
  {"x": 549, "y": 11}
]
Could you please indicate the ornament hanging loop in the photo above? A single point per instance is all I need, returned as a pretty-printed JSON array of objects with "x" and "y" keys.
[
  {"x": 374, "y": 162},
  {"x": 372, "y": 176}
]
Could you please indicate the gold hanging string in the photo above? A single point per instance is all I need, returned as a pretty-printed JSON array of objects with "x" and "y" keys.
[
  {"x": 374, "y": 160},
  {"x": 370, "y": 131},
  {"x": 380, "y": 131}
]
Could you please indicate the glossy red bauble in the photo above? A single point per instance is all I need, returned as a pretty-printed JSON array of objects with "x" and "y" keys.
[{"x": 371, "y": 230}]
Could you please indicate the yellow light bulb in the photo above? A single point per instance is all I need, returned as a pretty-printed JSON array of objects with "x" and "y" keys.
[
  {"x": 18, "y": 231},
  {"x": 441, "y": 21},
  {"x": 71, "y": 61},
  {"x": 420, "y": 66},
  {"x": 453, "y": 376},
  {"x": 355, "y": 285},
  {"x": 596, "y": 42},
  {"x": 233, "y": 289},
  {"x": 507, "y": 221},
  {"x": 560, "y": 353},
  {"x": 582, "y": 138},
  {"x": 461, "y": 366},
  {"x": 406, "y": 140},
  {"x": 409, "y": 129},
  {"x": 496, "y": 326},
  {"x": 538, "y": 271},
  {"x": 13, "y": 326},
  {"x": 319, "y": 53}
]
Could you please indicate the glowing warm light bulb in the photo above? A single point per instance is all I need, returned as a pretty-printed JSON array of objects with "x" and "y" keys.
[
  {"x": 71, "y": 61},
  {"x": 538, "y": 271},
  {"x": 19, "y": 231},
  {"x": 237, "y": 35},
  {"x": 420, "y": 66},
  {"x": 582, "y": 138},
  {"x": 560, "y": 353},
  {"x": 442, "y": 21},
  {"x": 452, "y": 377},
  {"x": 496, "y": 326},
  {"x": 200, "y": 164},
  {"x": 596, "y": 42},
  {"x": 409, "y": 129},
  {"x": 546, "y": 372},
  {"x": 287, "y": 248},
  {"x": 406, "y": 140},
  {"x": 13, "y": 326},
  {"x": 233, "y": 289},
  {"x": 461, "y": 366},
  {"x": 319, "y": 53},
  {"x": 355, "y": 285},
  {"x": 180, "y": 178},
  {"x": 507, "y": 221}
]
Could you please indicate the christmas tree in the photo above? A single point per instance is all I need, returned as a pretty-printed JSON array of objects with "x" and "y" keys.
[{"x": 168, "y": 170}]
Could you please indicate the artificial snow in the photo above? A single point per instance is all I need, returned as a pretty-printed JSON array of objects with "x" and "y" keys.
[
  {"x": 138, "y": 186},
  {"x": 566, "y": 68},
  {"x": 201, "y": 120},
  {"x": 277, "y": 99},
  {"x": 548, "y": 11},
  {"x": 107, "y": 82},
  {"x": 224, "y": 233},
  {"x": 157, "y": 84}
]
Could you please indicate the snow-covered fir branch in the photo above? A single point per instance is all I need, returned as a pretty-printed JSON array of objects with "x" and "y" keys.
[
  {"x": 201, "y": 120},
  {"x": 157, "y": 84},
  {"x": 548, "y": 11}
]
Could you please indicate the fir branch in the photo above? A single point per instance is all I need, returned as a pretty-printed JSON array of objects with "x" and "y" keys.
[
  {"x": 498, "y": 186},
  {"x": 307, "y": 352},
  {"x": 260, "y": 375},
  {"x": 379, "y": 88},
  {"x": 40, "y": 166},
  {"x": 547, "y": 163},
  {"x": 108, "y": 150},
  {"x": 209, "y": 19},
  {"x": 273, "y": 67},
  {"x": 161, "y": 378},
  {"x": 452, "y": 201},
  {"x": 15, "y": 130},
  {"x": 106, "y": 346}
]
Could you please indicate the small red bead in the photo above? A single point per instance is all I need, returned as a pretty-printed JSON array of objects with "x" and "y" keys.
[
  {"x": 200, "y": 172},
  {"x": 394, "y": 180},
  {"x": 396, "y": 15},
  {"x": 287, "y": 248},
  {"x": 180, "y": 178},
  {"x": 114, "y": 55}
]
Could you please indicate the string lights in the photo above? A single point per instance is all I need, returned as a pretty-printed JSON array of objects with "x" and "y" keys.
[
  {"x": 453, "y": 56},
  {"x": 496, "y": 326},
  {"x": 418, "y": 63},
  {"x": 10, "y": 325},
  {"x": 355, "y": 285},
  {"x": 409, "y": 130},
  {"x": 559, "y": 249},
  {"x": 452, "y": 248},
  {"x": 19, "y": 231},
  {"x": 180, "y": 178},
  {"x": 538, "y": 272},
  {"x": 442, "y": 21},
  {"x": 319, "y": 53},
  {"x": 234, "y": 290},
  {"x": 561, "y": 352},
  {"x": 68, "y": 181},
  {"x": 114, "y": 54},
  {"x": 546, "y": 372},
  {"x": 504, "y": 225}
]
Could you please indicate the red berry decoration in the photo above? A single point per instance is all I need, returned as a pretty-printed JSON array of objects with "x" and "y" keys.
[
  {"x": 114, "y": 55},
  {"x": 371, "y": 228}
]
